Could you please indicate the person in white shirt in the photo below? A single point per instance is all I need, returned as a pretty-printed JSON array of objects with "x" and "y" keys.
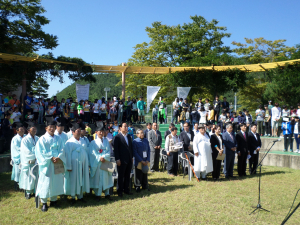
[
  {"x": 276, "y": 114},
  {"x": 260, "y": 114},
  {"x": 195, "y": 130},
  {"x": 297, "y": 133},
  {"x": 16, "y": 115},
  {"x": 96, "y": 110},
  {"x": 285, "y": 111},
  {"x": 203, "y": 115},
  {"x": 171, "y": 140}
]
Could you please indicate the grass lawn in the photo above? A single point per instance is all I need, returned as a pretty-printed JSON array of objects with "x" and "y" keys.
[{"x": 170, "y": 201}]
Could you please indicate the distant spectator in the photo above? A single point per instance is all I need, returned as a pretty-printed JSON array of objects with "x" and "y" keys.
[
  {"x": 9, "y": 96},
  {"x": 249, "y": 120},
  {"x": 260, "y": 115},
  {"x": 41, "y": 111},
  {"x": 276, "y": 114},
  {"x": 287, "y": 129},
  {"x": 28, "y": 101},
  {"x": 14, "y": 102},
  {"x": 154, "y": 114},
  {"x": 267, "y": 121},
  {"x": 16, "y": 115}
]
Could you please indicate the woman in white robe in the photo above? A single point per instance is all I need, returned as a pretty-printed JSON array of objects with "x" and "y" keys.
[{"x": 202, "y": 150}]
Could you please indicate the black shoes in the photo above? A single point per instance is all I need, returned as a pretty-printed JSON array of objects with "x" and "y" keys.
[
  {"x": 82, "y": 200},
  {"x": 73, "y": 201},
  {"x": 98, "y": 198},
  {"x": 28, "y": 196},
  {"x": 44, "y": 207},
  {"x": 108, "y": 198},
  {"x": 128, "y": 193}
]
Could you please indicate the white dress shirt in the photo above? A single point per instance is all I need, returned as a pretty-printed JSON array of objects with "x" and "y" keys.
[{"x": 125, "y": 137}]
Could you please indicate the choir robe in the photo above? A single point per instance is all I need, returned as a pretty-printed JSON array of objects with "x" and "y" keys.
[
  {"x": 100, "y": 179},
  {"x": 202, "y": 162},
  {"x": 27, "y": 154},
  {"x": 77, "y": 180},
  {"x": 69, "y": 134},
  {"x": 15, "y": 156},
  {"x": 49, "y": 184},
  {"x": 64, "y": 137},
  {"x": 86, "y": 146}
]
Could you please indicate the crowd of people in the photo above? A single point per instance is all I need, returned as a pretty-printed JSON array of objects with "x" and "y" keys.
[{"x": 78, "y": 161}]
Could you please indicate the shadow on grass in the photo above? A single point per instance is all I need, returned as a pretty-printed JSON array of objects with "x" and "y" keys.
[{"x": 6, "y": 185}]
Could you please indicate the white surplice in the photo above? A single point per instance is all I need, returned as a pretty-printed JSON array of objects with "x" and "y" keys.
[{"x": 203, "y": 162}]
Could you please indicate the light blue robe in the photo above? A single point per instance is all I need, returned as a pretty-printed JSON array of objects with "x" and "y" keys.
[
  {"x": 76, "y": 180},
  {"x": 100, "y": 179},
  {"x": 64, "y": 137},
  {"x": 86, "y": 145},
  {"x": 69, "y": 134},
  {"x": 15, "y": 156},
  {"x": 27, "y": 154},
  {"x": 49, "y": 184}
]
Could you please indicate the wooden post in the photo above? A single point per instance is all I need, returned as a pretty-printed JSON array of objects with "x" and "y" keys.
[{"x": 123, "y": 83}]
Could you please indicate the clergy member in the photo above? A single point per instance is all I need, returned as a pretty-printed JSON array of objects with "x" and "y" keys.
[
  {"x": 51, "y": 159},
  {"x": 77, "y": 165},
  {"x": 27, "y": 183},
  {"x": 15, "y": 153},
  {"x": 101, "y": 180},
  {"x": 60, "y": 131},
  {"x": 203, "y": 160},
  {"x": 171, "y": 140}
]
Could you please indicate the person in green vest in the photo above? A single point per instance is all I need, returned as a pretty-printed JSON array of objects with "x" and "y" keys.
[{"x": 161, "y": 112}]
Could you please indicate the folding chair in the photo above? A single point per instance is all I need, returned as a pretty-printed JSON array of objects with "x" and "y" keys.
[
  {"x": 163, "y": 159},
  {"x": 186, "y": 163}
]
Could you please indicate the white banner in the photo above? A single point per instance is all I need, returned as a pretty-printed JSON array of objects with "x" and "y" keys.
[
  {"x": 82, "y": 92},
  {"x": 151, "y": 94},
  {"x": 182, "y": 92}
]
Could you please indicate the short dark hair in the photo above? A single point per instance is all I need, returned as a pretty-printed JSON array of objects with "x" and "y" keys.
[
  {"x": 173, "y": 128},
  {"x": 242, "y": 124},
  {"x": 276, "y": 104},
  {"x": 265, "y": 105},
  {"x": 147, "y": 124},
  {"x": 217, "y": 96},
  {"x": 171, "y": 125},
  {"x": 253, "y": 124},
  {"x": 240, "y": 112}
]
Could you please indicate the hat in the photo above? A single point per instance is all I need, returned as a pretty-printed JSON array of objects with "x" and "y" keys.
[
  {"x": 145, "y": 169},
  {"x": 50, "y": 121},
  {"x": 100, "y": 126},
  {"x": 201, "y": 125},
  {"x": 18, "y": 125},
  {"x": 296, "y": 117},
  {"x": 270, "y": 101},
  {"x": 31, "y": 93},
  {"x": 75, "y": 126},
  {"x": 30, "y": 125},
  {"x": 59, "y": 122},
  {"x": 128, "y": 96}
]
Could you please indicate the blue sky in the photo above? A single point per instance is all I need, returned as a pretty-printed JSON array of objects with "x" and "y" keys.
[{"x": 105, "y": 32}]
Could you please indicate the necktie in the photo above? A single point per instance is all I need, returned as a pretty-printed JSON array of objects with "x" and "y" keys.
[
  {"x": 155, "y": 133},
  {"x": 231, "y": 136},
  {"x": 244, "y": 136}
]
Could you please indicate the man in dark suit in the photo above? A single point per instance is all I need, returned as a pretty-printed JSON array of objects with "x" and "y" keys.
[
  {"x": 155, "y": 140},
  {"x": 242, "y": 149},
  {"x": 230, "y": 145},
  {"x": 149, "y": 125},
  {"x": 254, "y": 144},
  {"x": 124, "y": 159},
  {"x": 186, "y": 136},
  {"x": 225, "y": 105},
  {"x": 168, "y": 132}
]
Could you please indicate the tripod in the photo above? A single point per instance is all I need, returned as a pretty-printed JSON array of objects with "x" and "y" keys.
[{"x": 259, "y": 207}]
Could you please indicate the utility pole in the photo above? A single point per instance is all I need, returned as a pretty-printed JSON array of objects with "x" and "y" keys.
[{"x": 123, "y": 82}]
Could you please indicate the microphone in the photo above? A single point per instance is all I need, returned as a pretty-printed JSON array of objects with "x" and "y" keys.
[{"x": 278, "y": 140}]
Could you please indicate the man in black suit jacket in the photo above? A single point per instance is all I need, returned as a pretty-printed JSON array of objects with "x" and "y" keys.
[
  {"x": 225, "y": 105},
  {"x": 186, "y": 136},
  {"x": 242, "y": 149},
  {"x": 124, "y": 159},
  {"x": 254, "y": 144},
  {"x": 149, "y": 126},
  {"x": 168, "y": 132}
]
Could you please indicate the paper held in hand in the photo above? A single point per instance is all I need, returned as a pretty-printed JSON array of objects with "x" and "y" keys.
[
  {"x": 191, "y": 146},
  {"x": 221, "y": 157},
  {"x": 59, "y": 168},
  {"x": 108, "y": 166},
  {"x": 176, "y": 147}
]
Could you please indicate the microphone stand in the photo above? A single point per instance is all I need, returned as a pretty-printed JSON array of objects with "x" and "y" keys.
[
  {"x": 286, "y": 219},
  {"x": 259, "y": 207}
]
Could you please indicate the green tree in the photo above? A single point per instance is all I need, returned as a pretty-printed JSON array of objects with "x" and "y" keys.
[
  {"x": 21, "y": 23},
  {"x": 39, "y": 87},
  {"x": 283, "y": 85},
  {"x": 260, "y": 50}
]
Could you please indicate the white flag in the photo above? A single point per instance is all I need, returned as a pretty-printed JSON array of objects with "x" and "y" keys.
[
  {"x": 82, "y": 92},
  {"x": 151, "y": 94},
  {"x": 182, "y": 92}
]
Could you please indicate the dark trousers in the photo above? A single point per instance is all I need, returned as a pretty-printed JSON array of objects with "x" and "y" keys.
[
  {"x": 253, "y": 161},
  {"x": 124, "y": 177},
  {"x": 297, "y": 140},
  {"x": 87, "y": 117},
  {"x": 154, "y": 159},
  {"x": 242, "y": 162},
  {"x": 173, "y": 163},
  {"x": 216, "y": 167},
  {"x": 141, "y": 179},
  {"x": 128, "y": 115},
  {"x": 154, "y": 118},
  {"x": 288, "y": 141},
  {"x": 96, "y": 117},
  {"x": 268, "y": 127},
  {"x": 134, "y": 116},
  {"x": 161, "y": 118},
  {"x": 229, "y": 163},
  {"x": 217, "y": 112}
]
